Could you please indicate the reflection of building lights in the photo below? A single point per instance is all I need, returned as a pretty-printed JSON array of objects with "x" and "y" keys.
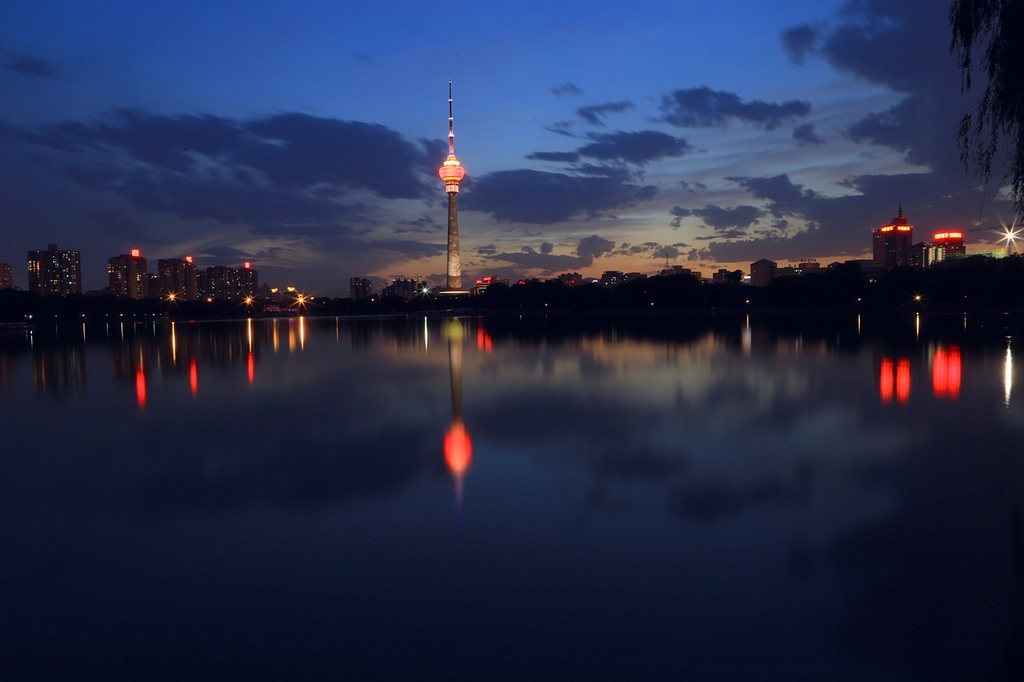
[
  {"x": 885, "y": 380},
  {"x": 140, "y": 387},
  {"x": 946, "y": 370},
  {"x": 894, "y": 378},
  {"x": 1008, "y": 376},
  {"x": 483, "y": 339},
  {"x": 251, "y": 363},
  {"x": 193, "y": 376},
  {"x": 902, "y": 380},
  {"x": 174, "y": 346}
]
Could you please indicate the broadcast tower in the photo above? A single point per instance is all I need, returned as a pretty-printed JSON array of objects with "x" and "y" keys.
[{"x": 452, "y": 172}]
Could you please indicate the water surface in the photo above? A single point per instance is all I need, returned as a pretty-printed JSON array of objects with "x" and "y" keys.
[{"x": 541, "y": 498}]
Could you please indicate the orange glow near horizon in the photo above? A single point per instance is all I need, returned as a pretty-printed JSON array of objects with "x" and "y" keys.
[
  {"x": 458, "y": 449},
  {"x": 140, "y": 387},
  {"x": 946, "y": 372}
]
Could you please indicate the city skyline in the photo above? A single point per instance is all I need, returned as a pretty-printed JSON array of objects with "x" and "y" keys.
[{"x": 307, "y": 138}]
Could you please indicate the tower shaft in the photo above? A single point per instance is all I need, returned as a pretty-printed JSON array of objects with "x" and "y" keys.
[
  {"x": 452, "y": 172},
  {"x": 454, "y": 261}
]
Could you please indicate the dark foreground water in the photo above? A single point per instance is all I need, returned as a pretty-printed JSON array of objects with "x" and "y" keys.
[{"x": 554, "y": 498}]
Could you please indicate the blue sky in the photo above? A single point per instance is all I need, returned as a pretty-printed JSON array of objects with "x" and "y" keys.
[{"x": 305, "y": 136}]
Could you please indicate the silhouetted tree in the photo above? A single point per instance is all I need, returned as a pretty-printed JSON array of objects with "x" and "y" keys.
[{"x": 996, "y": 28}]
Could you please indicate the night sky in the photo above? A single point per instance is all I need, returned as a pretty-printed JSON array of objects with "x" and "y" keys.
[{"x": 306, "y": 136}]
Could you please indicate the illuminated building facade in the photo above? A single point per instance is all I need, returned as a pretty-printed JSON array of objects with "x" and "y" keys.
[
  {"x": 452, "y": 173},
  {"x": 924, "y": 255},
  {"x": 762, "y": 272},
  {"x": 890, "y": 244},
  {"x": 951, "y": 242},
  {"x": 359, "y": 288},
  {"x": 6, "y": 276},
  {"x": 482, "y": 284},
  {"x": 178, "y": 276},
  {"x": 128, "y": 275},
  {"x": 612, "y": 278},
  {"x": 404, "y": 288},
  {"x": 55, "y": 272}
]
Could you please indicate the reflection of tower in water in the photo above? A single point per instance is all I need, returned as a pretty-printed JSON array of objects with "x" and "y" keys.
[{"x": 458, "y": 448}]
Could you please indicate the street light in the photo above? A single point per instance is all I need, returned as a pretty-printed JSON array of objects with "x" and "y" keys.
[{"x": 1010, "y": 236}]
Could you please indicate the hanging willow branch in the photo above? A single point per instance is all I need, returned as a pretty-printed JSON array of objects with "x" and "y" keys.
[{"x": 988, "y": 40}]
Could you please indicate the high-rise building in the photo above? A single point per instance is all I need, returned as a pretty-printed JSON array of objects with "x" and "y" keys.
[
  {"x": 404, "y": 287},
  {"x": 178, "y": 276},
  {"x": 248, "y": 281},
  {"x": 129, "y": 275},
  {"x": 452, "y": 173},
  {"x": 6, "y": 276},
  {"x": 359, "y": 288},
  {"x": 612, "y": 278},
  {"x": 55, "y": 272},
  {"x": 951, "y": 242},
  {"x": 221, "y": 282},
  {"x": 762, "y": 272},
  {"x": 890, "y": 244}
]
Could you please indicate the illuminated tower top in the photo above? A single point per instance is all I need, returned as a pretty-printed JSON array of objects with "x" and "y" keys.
[{"x": 452, "y": 171}]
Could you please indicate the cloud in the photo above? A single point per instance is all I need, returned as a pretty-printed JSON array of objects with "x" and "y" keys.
[
  {"x": 291, "y": 151},
  {"x": 287, "y": 174},
  {"x": 594, "y": 246},
  {"x": 566, "y": 89},
  {"x": 637, "y": 147},
  {"x": 805, "y": 135},
  {"x": 920, "y": 128},
  {"x": 707, "y": 108},
  {"x": 726, "y": 221},
  {"x": 594, "y": 114},
  {"x": 737, "y": 217},
  {"x": 564, "y": 157},
  {"x": 28, "y": 66},
  {"x": 798, "y": 42},
  {"x": 537, "y": 197},
  {"x": 587, "y": 251}
]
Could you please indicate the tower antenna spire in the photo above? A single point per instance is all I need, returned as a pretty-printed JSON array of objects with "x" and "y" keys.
[{"x": 451, "y": 122}]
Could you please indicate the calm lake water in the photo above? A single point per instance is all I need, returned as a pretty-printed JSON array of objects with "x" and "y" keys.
[{"x": 725, "y": 498}]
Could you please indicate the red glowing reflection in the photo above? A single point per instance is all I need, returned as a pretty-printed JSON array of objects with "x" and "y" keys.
[
  {"x": 885, "y": 380},
  {"x": 193, "y": 376},
  {"x": 458, "y": 448},
  {"x": 483, "y": 340},
  {"x": 946, "y": 368},
  {"x": 903, "y": 380},
  {"x": 252, "y": 368},
  {"x": 894, "y": 377},
  {"x": 140, "y": 387}
]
